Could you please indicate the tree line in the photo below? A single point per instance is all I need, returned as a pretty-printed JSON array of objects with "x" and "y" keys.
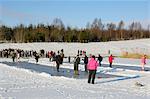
[{"x": 57, "y": 32}]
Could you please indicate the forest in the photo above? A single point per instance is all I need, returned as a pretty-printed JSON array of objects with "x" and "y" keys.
[{"x": 95, "y": 31}]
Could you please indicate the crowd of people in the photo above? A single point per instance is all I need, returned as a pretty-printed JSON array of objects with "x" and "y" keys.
[{"x": 90, "y": 63}]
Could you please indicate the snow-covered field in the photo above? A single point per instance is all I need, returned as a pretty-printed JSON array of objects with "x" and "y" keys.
[
  {"x": 115, "y": 47},
  {"x": 28, "y": 80}
]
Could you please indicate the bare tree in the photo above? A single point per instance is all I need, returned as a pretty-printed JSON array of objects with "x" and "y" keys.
[
  {"x": 111, "y": 27},
  {"x": 120, "y": 28},
  {"x": 57, "y": 23}
]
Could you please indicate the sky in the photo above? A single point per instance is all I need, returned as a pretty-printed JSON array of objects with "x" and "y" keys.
[{"x": 74, "y": 13}]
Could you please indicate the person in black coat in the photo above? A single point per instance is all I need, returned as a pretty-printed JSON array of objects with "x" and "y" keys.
[
  {"x": 85, "y": 62},
  {"x": 100, "y": 58},
  {"x": 62, "y": 57},
  {"x": 76, "y": 65},
  {"x": 37, "y": 57},
  {"x": 13, "y": 56},
  {"x": 58, "y": 61}
]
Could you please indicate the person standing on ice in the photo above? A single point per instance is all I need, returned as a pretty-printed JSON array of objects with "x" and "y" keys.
[
  {"x": 58, "y": 61},
  {"x": 111, "y": 58},
  {"x": 49, "y": 55},
  {"x": 13, "y": 56},
  {"x": 62, "y": 56},
  {"x": 18, "y": 56},
  {"x": 76, "y": 65},
  {"x": 143, "y": 61},
  {"x": 92, "y": 67},
  {"x": 37, "y": 57},
  {"x": 85, "y": 62},
  {"x": 100, "y": 58}
]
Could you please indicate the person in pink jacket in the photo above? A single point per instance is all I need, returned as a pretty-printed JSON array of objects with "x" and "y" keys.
[
  {"x": 92, "y": 67},
  {"x": 143, "y": 61}
]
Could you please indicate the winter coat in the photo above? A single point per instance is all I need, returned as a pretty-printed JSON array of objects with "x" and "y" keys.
[
  {"x": 13, "y": 55},
  {"x": 143, "y": 60},
  {"x": 37, "y": 56},
  {"x": 61, "y": 56},
  {"x": 100, "y": 58},
  {"x": 111, "y": 58},
  {"x": 77, "y": 61},
  {"x": 85, "y": 60},
  {"x": 58, "y": 59},
  {"x": 92, "y": 64}
]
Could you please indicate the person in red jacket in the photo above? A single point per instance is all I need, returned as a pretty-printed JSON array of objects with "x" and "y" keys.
[
  {"x": 92, "y": 67},
  {"x": 111, "y": 58}
]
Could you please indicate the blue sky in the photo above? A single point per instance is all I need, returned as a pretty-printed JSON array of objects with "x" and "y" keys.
[{"x": 75, "y": 13}]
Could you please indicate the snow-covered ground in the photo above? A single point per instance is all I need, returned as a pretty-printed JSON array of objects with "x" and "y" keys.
[
  {"x": 27, "y": 80},
  {"x": 115, "y": 47}
]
